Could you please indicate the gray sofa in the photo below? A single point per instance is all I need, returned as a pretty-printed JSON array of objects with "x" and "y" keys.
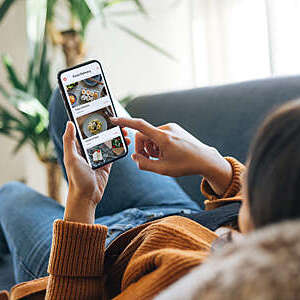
[{"x": 223, "y": 116}]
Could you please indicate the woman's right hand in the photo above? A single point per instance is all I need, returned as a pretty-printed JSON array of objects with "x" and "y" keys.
[{"x": 171, "y": 150}]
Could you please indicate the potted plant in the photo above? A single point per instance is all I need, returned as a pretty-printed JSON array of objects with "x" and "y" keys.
[{"x": 25, "y": 117}]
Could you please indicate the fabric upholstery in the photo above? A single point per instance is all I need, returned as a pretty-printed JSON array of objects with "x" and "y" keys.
[{"x": 225, "y": 117}]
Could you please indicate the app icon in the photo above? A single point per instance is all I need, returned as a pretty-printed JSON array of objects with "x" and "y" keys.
[{"x": 65, "y": 79}]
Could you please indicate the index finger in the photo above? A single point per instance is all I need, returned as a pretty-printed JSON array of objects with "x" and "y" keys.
[{"x": 139, "y": 125}]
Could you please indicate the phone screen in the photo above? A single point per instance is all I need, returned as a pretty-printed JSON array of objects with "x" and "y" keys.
[{"x": 90, "y": 107}]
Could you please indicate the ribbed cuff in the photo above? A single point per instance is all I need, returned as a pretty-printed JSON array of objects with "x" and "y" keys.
[
  {"x": 236, "y": 182},
  {"x": 233, "y": 188},
  {"x": 77, "y": 249},
  {"x": 4, "y": 295}
]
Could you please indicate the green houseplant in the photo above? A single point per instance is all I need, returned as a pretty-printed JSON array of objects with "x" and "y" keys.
[{"x": 25, "y": 117}]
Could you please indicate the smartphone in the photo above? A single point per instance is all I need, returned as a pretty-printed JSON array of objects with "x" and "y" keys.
[{"x": 89, "y": 106}]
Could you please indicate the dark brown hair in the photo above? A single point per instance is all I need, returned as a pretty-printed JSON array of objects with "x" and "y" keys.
[{"x": 274, "y": 168}]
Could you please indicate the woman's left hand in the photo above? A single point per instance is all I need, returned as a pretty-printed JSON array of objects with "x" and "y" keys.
[{"x": 86, "y": 186}]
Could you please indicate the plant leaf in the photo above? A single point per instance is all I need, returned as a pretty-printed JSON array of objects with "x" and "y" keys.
[
  {"x": 3, "y": 92},
  {"x": 30, "y": 77},
  {"x": 97, "y": 9},
  {"x": 7, "y": 116},
  {"x": 81, "y": 11},
  {"x": 6, "y": 4},
  {"x": 43, "y": 88},
  {"x": 144, "y": 41},
  {"x": 8, "y": 123},
  {"x": 140, "y": 7},
  {"x": 50, "y": 10},
  {"x": 35, "y": 23},
  {"x": 30, "y": 106},
  {"x": 113, "y": 2},
  {"x": 12, "y": 75},
  {"x": 20, "y": 143}
]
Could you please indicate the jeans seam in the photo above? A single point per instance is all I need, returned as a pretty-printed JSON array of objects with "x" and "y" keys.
[{"x": 25, "y": 269}]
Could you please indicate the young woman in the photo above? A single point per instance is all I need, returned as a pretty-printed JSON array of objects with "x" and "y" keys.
[
  {"x": 266, "y": 263},
  {"x": 148, "y": 256}
]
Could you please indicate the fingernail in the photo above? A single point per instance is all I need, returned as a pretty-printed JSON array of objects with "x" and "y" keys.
[{"x": 133, "y": 157}]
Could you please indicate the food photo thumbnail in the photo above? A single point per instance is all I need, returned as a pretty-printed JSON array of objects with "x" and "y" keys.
[
  {"x": 96, "y": 122},
  {"x": 106, "y": 152},
  {"x": 86, "y": 90}
]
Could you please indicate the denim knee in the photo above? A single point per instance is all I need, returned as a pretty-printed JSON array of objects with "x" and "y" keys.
[
  {"x": 57, "y": 115},
  {"x": 10, "y": 194},
  {"x": 7, "y": 204}
]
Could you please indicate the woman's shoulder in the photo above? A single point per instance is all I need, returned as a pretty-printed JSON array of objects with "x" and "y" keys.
[{"x": 268, "y": 259}]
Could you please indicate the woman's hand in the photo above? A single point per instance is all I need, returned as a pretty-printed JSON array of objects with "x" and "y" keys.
[
  {"x": 86, "y": 186},
  {"x": 171, "y": 150}
]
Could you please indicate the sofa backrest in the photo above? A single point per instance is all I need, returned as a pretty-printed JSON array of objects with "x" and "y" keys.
[{"x": 225, "y": 117}]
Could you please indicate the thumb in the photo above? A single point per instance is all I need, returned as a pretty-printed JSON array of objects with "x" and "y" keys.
[
  {"x": 69, "y": 140},
  {"x": 147, "y": 164}
]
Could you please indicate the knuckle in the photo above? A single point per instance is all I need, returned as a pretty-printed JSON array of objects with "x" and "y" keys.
[
  {"x": 140, "y": 122},
  {"x": 166, "y": 138},
  {"x": 138, "y": 135},
  {"x": 173, "y": 126},
  {"x": 170, "y": 125}
]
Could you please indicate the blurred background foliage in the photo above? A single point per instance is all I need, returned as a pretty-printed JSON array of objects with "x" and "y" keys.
[{"x": 24, "y": 116}]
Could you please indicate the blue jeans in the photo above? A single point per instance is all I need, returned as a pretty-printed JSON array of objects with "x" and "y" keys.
[{"x": 131, "y": 198}]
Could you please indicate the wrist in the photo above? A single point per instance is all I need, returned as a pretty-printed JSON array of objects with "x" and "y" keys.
[
  {"x": 218, "y": 172},
  {"x": 79, "y": 209}
]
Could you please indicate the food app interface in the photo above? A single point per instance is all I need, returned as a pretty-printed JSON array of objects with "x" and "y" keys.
[{"x": 92, "y": 108}]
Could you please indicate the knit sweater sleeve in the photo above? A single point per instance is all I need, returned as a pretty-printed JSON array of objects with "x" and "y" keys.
[
  {"x": 4, "y": 295},
  {"x": 232, "y": 193},
  {"x": 76, "y": 261}
]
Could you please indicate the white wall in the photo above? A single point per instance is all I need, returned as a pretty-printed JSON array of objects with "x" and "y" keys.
[
  {"x": 231, "y": 37},
  {"x": 13, "y": 41},
  {"x": 133, "y": 68},
  {"x": 130, "y": 67}
]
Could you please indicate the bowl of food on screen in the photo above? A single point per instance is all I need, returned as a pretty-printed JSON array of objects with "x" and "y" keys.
[
  {"x": 117, "y": 146},
  {"x": 72, "y": 98},
  {"x": 93, "y": 81},
  {"x": 88, "y": 95},
  {"x": 94, "y": 124}
]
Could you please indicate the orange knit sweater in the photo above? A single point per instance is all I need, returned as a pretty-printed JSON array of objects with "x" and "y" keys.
[{"x": 140, "y": 263}]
